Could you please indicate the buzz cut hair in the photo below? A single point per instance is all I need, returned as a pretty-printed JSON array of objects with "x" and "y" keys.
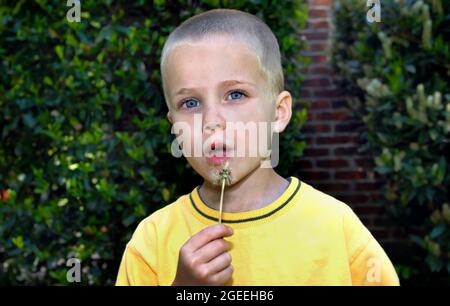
[{"x": 242, "y": 26}]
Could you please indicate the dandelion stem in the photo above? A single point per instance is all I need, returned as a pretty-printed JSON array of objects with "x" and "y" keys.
[
  {"x": 225, "y": 177},
  {"x": 221, "y": 200}
]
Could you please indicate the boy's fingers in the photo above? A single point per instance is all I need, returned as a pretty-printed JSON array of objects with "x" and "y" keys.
[
  {"x": 212, "y": 249},
  {"x": 223, "y": 276},
  {"x": 209, "y": 234},
  {"x": 220, "y": 262}
]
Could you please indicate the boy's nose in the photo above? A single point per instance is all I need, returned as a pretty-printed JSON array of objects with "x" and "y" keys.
[
  {"x": 213, "y": 120},
  {"x": 211, "y": 127}
]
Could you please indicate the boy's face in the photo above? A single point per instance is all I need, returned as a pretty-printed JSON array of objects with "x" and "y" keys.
[{"x": 211, "y": 86}]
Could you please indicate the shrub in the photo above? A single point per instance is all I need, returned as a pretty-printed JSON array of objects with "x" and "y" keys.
[
  {"x": 398, "y": 74},
  {"x": 85, "y": 146}
]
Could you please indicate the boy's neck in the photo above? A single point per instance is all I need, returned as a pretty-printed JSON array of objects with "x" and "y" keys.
[{"x": 256, "y": 190}]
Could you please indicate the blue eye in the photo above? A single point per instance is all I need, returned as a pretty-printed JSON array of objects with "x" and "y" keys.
[
  {"x": 190, "y": 103},
  {"x": 236, "y": 94}
]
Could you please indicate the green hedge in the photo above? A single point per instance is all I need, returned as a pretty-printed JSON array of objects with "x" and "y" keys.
[
  {"x": 398, "y": 72},
  {"x": 85, "y": 146}
]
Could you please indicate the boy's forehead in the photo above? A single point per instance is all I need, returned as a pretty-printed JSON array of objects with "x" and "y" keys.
[{"x": 207, "y": 63}]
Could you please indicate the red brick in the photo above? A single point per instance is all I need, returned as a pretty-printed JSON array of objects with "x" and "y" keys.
[
  {"x": 320, "y": 82},
  {"x": 368, "y": 186},
  {"x": 340, "y": 104},
  {"x": 319, "y": 59},
  {"x": 334, "y": 140},
  {"x": 304, "y": 93},
  {"x": 350, "y": 175},
  {"x": 329, "y": 93},
  {"x": 309, "y": 140},
  {"x": 377, "y": 176},
  {"x": 376, "y": 197},
  {"x": 332, "y": 163},
  {"x": 319, "y": 69},
  {"x": 347, "y": 127},
  {"x": 339, "y": 115},
  {"x": 382, "y": 220},
  {"x": 305, "y": 164},
  {"x": 353, "y": 199},
  {"x": 320, "y": 2},
  {"x": 329, "y": 110},
  {"x": 316, "y": 36},
  {"x": 319, "y": 104},
  {"x": 314, "y": 175},
  {"x": 318, "y": 24},
  {"x": 347, "y": 151},
  {"x": 364, "y": 162},
  {"x": 316, "y": 128},
  {"x": 314, "y": 47},
  {"x": 317, "y": 13},
  {"x": 316, "y": 152},
  {"x": 368, "y": 209},
  {"x": 396, "y": 233},
  {"x": 333, "y": 187}
]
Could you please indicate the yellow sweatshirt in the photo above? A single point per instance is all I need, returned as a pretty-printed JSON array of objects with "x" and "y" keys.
[{"x": 305, "y": 237}]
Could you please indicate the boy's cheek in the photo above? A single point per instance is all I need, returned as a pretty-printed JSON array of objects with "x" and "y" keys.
[{"x": 200, "y": 167}]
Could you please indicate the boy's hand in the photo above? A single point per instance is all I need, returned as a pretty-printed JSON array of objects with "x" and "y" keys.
[{"x": 204, "y": 258}]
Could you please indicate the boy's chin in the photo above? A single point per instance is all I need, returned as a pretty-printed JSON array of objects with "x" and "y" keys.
[{"x": 215, "y": 177}]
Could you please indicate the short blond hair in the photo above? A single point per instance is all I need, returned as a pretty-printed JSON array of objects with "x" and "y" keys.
[{"x": 245, "y": 27}]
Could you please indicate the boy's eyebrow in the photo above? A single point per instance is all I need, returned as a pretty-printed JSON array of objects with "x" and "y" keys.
[{"x": 224, "y": 83}]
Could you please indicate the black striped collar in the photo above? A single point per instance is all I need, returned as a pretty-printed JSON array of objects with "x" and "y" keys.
[{"x": 246, "y": 216}]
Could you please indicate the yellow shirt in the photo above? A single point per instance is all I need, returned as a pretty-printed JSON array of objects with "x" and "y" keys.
[{"x": 305, "y": 237}]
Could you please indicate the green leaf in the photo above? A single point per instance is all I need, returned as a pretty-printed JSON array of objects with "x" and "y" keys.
[
  {"x": 18, "y": 242},
  {"x": 437, "y": 231},
  {"x": 434, "y": 263},
  {"x": 129, "y": 220},
  {"x": 29, "y": 120},
  {"x": 418, "y": 240},
  {"x": 60, "y": 52}
]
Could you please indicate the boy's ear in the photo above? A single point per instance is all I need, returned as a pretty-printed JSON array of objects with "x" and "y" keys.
[
  {"x": 283, "y": 111},
  {"x": 169, "y": 117}
]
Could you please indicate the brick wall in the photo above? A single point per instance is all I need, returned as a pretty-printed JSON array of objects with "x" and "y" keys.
[{"x": 332, "y": 161}]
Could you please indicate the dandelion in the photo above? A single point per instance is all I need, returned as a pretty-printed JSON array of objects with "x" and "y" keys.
[{"x": 223, "y": 177}]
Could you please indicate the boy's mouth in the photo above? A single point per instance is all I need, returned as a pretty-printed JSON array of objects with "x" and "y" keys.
[
  {"x": 218, "y": 154},
  {"x": 217, "y": 160}
]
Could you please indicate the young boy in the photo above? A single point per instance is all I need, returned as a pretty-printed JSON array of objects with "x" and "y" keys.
[{"x": 224, "y": 66}]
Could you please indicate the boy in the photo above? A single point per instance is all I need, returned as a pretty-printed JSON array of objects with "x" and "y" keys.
[{"x": 224, "y": 66}]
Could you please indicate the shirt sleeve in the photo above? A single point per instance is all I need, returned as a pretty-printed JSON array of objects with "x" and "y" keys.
[
  {"x": 138, "y": 265},
  {"x": 369, "y": 264}
]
